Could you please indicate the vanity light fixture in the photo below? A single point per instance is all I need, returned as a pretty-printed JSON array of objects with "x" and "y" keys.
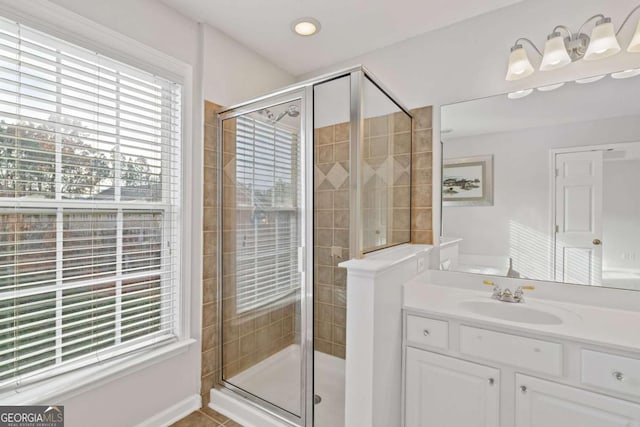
[
  {"x": 555, "y": 53},
  {"x": 305, "y": 26},
  {"x": 563, "y": 46}
]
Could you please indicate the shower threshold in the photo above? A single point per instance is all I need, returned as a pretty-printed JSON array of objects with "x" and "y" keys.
[{"x": 273, "y": 378}]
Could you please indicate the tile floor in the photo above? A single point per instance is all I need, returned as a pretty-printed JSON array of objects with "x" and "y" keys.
[{"x": 206, "y": 417}]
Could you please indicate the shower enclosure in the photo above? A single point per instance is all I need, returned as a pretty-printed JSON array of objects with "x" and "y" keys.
[{"x": 310, "y": 176}]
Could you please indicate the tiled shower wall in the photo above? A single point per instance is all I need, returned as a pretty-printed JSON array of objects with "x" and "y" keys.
[
  {"x": 210, "y": 332},
  {"x": 384, "y": 137},
  {"x": 386, "y": 180},
  {"x": 421, "y": 176},
  {"x": 332, "y": 219},
  {"x": 331, "y": 227}
]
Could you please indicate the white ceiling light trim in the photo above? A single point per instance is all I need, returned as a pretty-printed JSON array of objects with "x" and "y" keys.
[
  {"x": 305, "y": 26},
  {"x": 549, "y": 88},
  {"x": 590, "y": 79},
  {"x": 626, "y": 74},
  {"x": 519, "y": 94},
  {"x": 561, "y": 49}
]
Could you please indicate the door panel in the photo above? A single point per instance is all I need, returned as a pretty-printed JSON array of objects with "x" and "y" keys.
[
  {"x": 447, "y": 392},
  {"x": 264, "y": 284},
  {"x": 578, "y": 217}
]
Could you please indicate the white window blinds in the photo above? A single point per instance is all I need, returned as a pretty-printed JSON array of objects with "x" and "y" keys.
[
  {"x": 89, "y": 202},
  {"x": 267, "y": 204}
]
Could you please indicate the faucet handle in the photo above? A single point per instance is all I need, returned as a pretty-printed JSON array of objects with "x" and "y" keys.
[
  {"x": 497, "y": 292},
  {"x": 520, "y": 290},
  {"x": 519, "y": 294}
]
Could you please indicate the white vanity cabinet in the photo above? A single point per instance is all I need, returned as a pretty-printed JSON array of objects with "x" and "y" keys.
[
  {"x": 461, "y": 374},
  {"x": 542, "y": 403},
  {"x": 443, "y": 391}
]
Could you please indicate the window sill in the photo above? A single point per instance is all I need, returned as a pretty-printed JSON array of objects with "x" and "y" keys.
[{"x": 74, "y": 383}]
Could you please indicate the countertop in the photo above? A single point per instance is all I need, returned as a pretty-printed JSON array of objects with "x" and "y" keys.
[{"x": 590, "y": 324}]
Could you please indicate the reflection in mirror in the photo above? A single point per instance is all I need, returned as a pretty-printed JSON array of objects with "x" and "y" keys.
[
  {"x": 545, "y": 186},
  {"x": 386, "y": 171}
]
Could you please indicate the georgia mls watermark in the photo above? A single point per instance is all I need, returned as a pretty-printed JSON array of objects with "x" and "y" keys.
[{"x": 32, "y": 416}]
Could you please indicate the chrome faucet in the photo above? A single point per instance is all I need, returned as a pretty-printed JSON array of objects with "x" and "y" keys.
[{"x": 506, "y": 295}]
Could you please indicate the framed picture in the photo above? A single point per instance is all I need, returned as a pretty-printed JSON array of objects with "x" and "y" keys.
[{"x": 468, "y": 181}]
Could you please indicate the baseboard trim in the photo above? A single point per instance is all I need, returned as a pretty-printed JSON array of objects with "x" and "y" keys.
[{"x": 174, "y": 413}]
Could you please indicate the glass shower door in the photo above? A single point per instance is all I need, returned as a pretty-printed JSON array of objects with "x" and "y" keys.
[{"x": 263, "y": 240}]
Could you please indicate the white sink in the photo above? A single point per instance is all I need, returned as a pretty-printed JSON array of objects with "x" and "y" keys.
[{"x": 513, "y": 312}]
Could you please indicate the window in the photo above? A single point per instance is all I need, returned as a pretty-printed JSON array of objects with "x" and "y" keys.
[
  {"x": 267, "y": 197},
  {"x": 89, "y": 204}
]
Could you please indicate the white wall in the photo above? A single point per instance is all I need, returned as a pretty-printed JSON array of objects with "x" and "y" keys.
[
  {"x": 468, "y": 60},
  {"x": 518, "y": 223},
  {"x": 231, "y": 73},
  {"x": 621, "y": 213}
]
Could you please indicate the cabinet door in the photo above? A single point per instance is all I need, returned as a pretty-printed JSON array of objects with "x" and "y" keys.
[
  {"x": 542, "y": 403},
  {"x": 447, "y": 392}
]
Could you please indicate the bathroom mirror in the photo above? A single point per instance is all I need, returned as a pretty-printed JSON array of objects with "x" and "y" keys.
[{"x": 545, "y": 183}]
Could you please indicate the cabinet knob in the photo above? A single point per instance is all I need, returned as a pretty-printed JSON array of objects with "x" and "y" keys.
[
  {"x": 426, "y": 333},
  {"x": 523, "y": 388},
  {"x": 597, "y": 242},
  {"x": 491, "y": 381},
  {"x": 618, "y": 375}
]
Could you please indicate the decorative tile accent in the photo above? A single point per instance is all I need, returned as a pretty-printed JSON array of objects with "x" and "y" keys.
[
  {"x": 400, "y": 172},
  {"x": 337, "y": 175}
]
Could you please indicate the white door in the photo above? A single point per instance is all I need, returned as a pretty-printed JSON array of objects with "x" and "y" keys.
[
  {"x": 446, "y": 392},
  {"x": 578, "y": 217},
  {"x": 546, "y": 404}
]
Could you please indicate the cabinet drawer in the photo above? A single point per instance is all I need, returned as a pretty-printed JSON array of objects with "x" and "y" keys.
[
  {"x": 609, "y": 372},
  {"x": 529, "y": 353},
  {"x": 423, "y": 331}
]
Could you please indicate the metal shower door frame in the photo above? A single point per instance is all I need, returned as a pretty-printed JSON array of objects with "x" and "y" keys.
[
  {"x": 305, "y": 92},
  {"x": 306, "y": 305}
]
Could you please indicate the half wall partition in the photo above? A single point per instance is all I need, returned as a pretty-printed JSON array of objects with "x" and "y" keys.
[{"x": 310, "y": 176}]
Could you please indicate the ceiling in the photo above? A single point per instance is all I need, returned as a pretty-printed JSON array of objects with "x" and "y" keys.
[{"x": 349, "y": 27}]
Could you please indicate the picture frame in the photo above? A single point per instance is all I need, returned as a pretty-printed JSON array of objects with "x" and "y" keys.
[{"x": 467, "y": 181}]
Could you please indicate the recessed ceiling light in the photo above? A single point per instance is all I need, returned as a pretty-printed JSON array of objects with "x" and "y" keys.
[{"x": 305, "y": 26}]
